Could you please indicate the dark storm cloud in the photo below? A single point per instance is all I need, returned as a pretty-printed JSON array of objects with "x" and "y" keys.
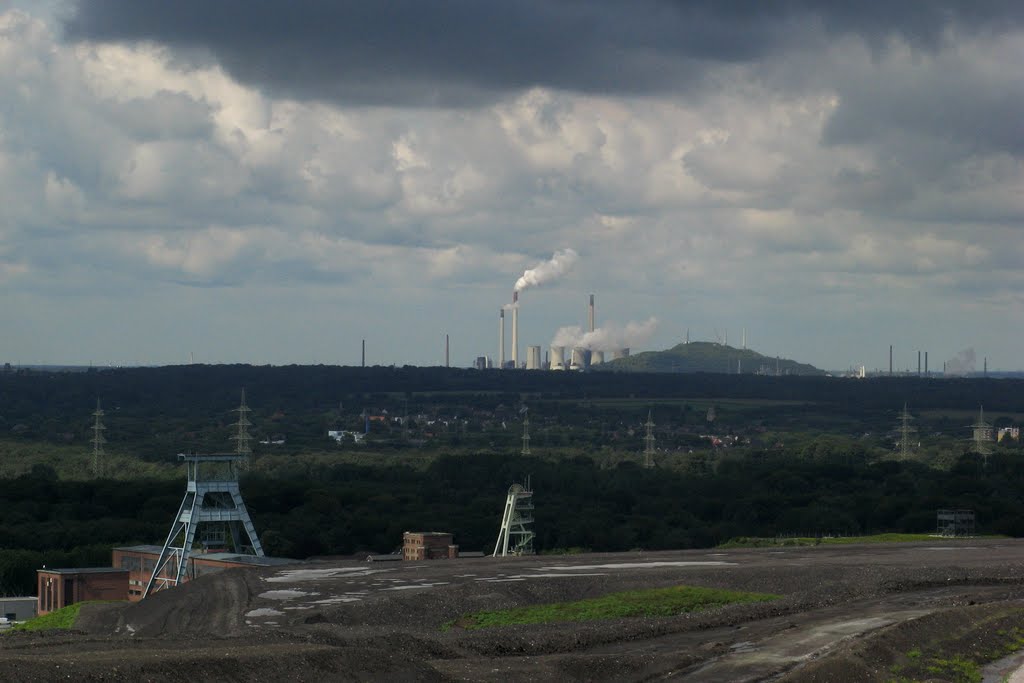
[{"x": 464, "y": 51}]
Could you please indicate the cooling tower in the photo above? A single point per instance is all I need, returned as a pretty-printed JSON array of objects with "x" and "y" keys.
[
  {"x": 557, "y": 358},
  {"x": 620, "y": 353},
  {"x": 596, "y": 357},
  {"x": 533, "y": 358}
]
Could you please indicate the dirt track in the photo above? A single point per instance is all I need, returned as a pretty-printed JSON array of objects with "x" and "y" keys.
[{"x": 846, "y": 611}]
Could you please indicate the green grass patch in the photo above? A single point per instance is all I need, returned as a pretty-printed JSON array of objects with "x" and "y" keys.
[
  {"x": 62, "y": 618},
  {"x": 655, "y": 602},
  {"x": 957, "y": 669},
  {"x": 963, "y": 662}
]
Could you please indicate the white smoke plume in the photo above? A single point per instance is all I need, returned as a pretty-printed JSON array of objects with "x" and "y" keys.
[
  {"x": 607, "y": 338},
  {"x": 561, "y": 263},
  {"x": 962, "y": 363}
]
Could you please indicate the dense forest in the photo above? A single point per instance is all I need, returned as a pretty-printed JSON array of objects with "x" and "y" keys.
[
  {"x": 154, "y": 413},
  {"x": 736, "y": 456},
  {"x": 344, "y": 509}
]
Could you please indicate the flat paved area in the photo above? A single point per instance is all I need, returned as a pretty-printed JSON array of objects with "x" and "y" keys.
[{"x": 311, "y": 587}]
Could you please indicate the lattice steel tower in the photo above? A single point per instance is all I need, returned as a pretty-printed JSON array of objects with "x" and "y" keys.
[
  {"x": 212, "y": 499},
  {"x": 242, "y": 438},
  {"x": 526, "y": 431},
  {"x": 98, "y": 452},
  {"x": 906, "y": 433},
  {"x": 649, "y": 442},
  {"x": 982, "y": 437},
  {"x": 516, "y": 534}
]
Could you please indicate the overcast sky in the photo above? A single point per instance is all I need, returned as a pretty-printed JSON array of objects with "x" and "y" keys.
[{"x": 271, "y": 182}]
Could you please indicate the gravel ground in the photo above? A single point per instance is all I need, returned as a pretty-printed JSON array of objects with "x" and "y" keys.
[{"x": 346, "y": 621}]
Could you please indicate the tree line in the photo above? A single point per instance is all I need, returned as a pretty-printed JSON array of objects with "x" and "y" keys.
[{"x": 331, "y": 509}]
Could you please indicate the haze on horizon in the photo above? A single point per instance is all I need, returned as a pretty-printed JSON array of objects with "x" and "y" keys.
[{"x": 273, "y": 182}]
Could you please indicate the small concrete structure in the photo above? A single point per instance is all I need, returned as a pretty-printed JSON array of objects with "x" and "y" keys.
[
  {"x": 59, "y": 588},
  {"x": 428, "y": 545},
  {"x": 18, "y": 609}
]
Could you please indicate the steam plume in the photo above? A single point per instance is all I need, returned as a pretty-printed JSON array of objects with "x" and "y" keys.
[
  {"x": 962, "y": 363},
  {"x": 561, "y": 263},
  {"x": 607, "y": 338}
]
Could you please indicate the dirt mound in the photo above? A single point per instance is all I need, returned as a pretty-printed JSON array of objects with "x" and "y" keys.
[
  {"x": 932, "y": 646},
  {"x": 207, "y": 607}
]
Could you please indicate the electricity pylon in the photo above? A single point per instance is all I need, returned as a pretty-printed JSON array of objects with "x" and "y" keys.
[
  {"x": 98, "y": 440},
  {"x": 906, "y": 433},
  {"x": 649, "y": 442},
  {"x": 242, "y": 438}
]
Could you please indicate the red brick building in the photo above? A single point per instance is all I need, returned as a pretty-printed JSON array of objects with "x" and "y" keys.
[
  {"x": 428, "y": 545},
  {"x": 140, "y": 560},
  {"x": 59, "y": 588}
]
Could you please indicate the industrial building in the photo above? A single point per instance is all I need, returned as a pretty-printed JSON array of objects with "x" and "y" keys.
[
  {"x": 428, "y": 545},
  {"x": 59, "y": 588},
  {"x": 140, "y": 561}
]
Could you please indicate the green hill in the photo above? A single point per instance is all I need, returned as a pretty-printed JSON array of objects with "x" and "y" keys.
[{"x": 709, "y": 357}]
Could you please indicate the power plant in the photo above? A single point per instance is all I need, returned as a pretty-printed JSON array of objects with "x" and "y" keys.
[
  {"x": 515, "y": 330},
  {"x": 587, "y": 348},
  {"x": 501, "y": 338},
  {"x": 572, "y": 348}
]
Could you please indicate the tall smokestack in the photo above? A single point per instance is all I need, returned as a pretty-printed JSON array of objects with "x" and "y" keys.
[
  {"x": 364, "y": 353},
  {"x": 446, "y": 351},
  {"x": 925, "y": 363},
  {"x": 985, "y": 366},
  {"x": 890, "y": 360},
  {"x": 515, "y": 330},
  {"x": 591, "y": 312},
  {"x": 918, "y": 363},
  {"x": 501, "y": 338}
]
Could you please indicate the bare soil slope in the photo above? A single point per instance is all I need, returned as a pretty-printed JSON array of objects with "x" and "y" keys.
[{"x": 845, "y": 613}]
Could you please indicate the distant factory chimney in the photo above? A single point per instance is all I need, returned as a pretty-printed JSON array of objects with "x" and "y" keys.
[
  {"x": 985, "y": 366},
  {"x": 918, "y": 363},
  {"x": 890, "y": 360},
  {"x": 501, "y": 338},
  {"x": 515, "y": 330},
  {"x": 591, "y": 312},
  {"x": 925, "y": 363}
]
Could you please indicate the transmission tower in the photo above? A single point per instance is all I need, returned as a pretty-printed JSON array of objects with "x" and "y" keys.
[
  {"x": 242, "y": 438},
  {"x": 526, "y": 430},
  {"x": 906, "y": 433},
  {"x": 982, "y": 437},
  {"x": 649, "y": 442},
  {"x": 97, "y": 442}
]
